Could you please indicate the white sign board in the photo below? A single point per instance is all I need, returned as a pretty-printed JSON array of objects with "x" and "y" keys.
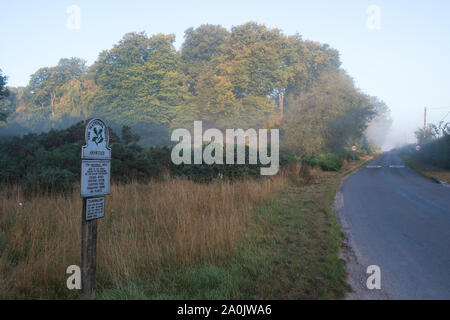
[
  {"x": 97, "y": 141},
  {"x": 353, "y": 148},
  {"x": 95, "y": 208},
  {"x": 95, "y": 177},
  {"x": 418, "y": 148}
]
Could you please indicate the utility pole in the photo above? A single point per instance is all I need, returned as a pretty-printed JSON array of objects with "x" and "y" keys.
[{"x": 425, "y": 123}]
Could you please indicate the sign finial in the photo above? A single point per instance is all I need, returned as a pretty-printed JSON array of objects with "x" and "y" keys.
[{"x": 97, "y": 141}]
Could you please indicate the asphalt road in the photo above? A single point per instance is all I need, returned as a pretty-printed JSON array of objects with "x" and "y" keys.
[{"x": 400, "y": 221}]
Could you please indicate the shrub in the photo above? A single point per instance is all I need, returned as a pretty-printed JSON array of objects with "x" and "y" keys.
[
  {"x": 436, "y": 153},
  {"x": 51, "y": 161},
  {"x": 49, "y": 180},
  {"x": 327, "y": 161}
]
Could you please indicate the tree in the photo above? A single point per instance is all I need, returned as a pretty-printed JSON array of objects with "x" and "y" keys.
[
  {"x": 328, "y": 117},
  {"x": 140, "y": 79},
  {"x": 431, "y": 133},
  {"x": 244, "y": 78},
  {"x": 141, "y": 84},
  {"x": 45, "y": 83},
  {"x": 4, "y": 92},
  {"x": 310, "y": 61},
  {"x": 251, "y": 76},
  {"x": 128, "y": 136},
  {"x": 199, "y": 47},
  {"x": 44, "y": 96},
  {"x": 256, "y": 60}
]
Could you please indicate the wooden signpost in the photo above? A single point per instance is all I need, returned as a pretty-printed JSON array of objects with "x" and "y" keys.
[{"x": 95, "y": 178}]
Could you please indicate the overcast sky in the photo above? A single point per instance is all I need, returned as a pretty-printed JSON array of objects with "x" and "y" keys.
[{"x": 396, "y": 50}]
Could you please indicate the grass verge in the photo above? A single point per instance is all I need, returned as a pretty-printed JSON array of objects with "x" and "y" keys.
[
  {"x": 257, "y": 239},
  {"x": 427, "y": 170},
  {"x": 291, "y": 252}
]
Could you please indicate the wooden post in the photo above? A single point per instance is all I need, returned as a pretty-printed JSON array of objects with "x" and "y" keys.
[
  {"x": 88, "y": 255},
  {"x": 95, "y": 178}
]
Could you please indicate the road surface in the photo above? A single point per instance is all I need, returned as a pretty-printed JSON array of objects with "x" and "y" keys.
[{"x": 400, "y": 221}]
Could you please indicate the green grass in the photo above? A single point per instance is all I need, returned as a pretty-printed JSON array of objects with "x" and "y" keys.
[
  {"x": 429, "y": 171},
  {"x": 301, "y": 247},
  {"x": 292, "y": 252}
]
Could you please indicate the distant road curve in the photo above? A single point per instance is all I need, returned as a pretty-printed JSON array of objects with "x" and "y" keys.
[{"x": 400, "y": 221}]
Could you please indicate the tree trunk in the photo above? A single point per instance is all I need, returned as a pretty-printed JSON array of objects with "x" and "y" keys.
[{"x": 281, "y": 101}]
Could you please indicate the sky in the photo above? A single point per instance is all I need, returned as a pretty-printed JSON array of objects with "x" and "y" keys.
[{"x": 396, "y": 50}]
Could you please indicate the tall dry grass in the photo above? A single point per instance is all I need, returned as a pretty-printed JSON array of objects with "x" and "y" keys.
[{"x": 146, "y": 227}]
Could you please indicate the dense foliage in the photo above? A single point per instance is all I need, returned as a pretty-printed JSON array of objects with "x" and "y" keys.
[
  {"x": 250, "y": 76},
  {"x": 434, "y": 146},
  {"x": 51, "y": 161}
]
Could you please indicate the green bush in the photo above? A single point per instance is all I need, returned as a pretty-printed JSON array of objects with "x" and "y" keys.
[
  {"x": 49, "y": 180},
  {"x": 327, "y": 161},
  {"x": 51, "y": 161},
  {"x": 204, "y": 172},
  {"x": 436, "y": 153}
]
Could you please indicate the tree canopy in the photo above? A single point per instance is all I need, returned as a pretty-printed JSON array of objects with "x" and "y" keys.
[
  {"x": 249, "y": 76},
  {"x": 3, "y": 93}
]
